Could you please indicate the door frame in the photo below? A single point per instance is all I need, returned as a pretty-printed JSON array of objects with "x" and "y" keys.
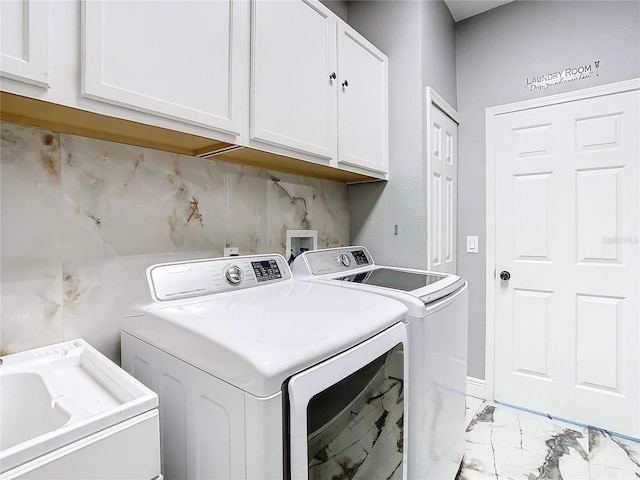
[
  {"x": 490, "y": 117},
  {"x": 433, "y": 98}
]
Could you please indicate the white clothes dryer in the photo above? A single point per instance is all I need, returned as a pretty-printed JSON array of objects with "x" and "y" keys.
[
  {"x": 262, "y": 377},
  {"x": 438, "y": 313}
]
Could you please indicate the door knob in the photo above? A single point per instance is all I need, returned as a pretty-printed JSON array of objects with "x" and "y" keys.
[
  {"x": 333, "y": 76},
  {"x": 345, "y": 83},
  {"x": 504, "y": 275}
]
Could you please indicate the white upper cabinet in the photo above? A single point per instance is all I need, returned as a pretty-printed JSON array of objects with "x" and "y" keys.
[
  {"x": 201, "y": 77},
  {"x": 319, "y": 89},
  {"x": 24, "y": 46},
  {"x": 363, "y": 132},
  {"x": 293, "y": 92},
  {"x": 180, "y": 60}
]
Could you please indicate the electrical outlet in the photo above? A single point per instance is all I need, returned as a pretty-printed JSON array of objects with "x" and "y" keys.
[{"x": 231, "y": 251}]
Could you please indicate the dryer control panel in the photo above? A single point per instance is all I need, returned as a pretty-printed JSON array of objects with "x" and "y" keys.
[
  {"x": 336, "y": 260},
  {"x": 196, "y": 278}
]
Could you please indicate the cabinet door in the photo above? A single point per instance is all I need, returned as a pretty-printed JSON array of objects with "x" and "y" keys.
[
  {"x": 180, "y": 60},
  {"x": 293, "y": 102},
  {"x": 363, "y": 130},
  {"x": 25, "y": 41}
]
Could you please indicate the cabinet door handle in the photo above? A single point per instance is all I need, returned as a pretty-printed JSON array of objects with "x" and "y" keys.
[
  {"x": 345, "y": 83},
  {"x": 333, "y": 76}
]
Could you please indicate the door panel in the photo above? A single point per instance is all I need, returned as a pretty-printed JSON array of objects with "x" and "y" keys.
[
  {"x": 567, "y": 216},
  {"x": 531, "y": 317},
  {"x": 598, "y": 214},
  {"x": 599, "y": 330},
  {"x": 530, "y": 216}
]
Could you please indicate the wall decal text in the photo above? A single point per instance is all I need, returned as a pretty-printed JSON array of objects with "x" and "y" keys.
[{"x": 567, "y": 75}]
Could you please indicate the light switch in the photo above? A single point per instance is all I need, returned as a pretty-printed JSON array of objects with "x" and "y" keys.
[{"x": 472, "y": 244}]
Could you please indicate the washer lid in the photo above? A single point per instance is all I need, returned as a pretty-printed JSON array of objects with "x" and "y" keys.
[
  {"x": 427, "y": 287},
  {"x": 404, "y": 280},
  {"x": 354, "y": 267},
  {"x": 256, "y": 338}
]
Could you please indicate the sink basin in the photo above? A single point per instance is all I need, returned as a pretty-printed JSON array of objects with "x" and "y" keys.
[
  {"x": 31, "y": 413},
  {"x": 56, "y": 395}
]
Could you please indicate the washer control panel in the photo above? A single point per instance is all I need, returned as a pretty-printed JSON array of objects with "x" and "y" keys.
[
  {"x": 337, "y": 260},
  {"x": 173, "y": 281},
  {"x": 266, "y": 270}
]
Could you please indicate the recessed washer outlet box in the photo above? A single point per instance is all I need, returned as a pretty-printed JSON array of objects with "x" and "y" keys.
[{"x": 299, "y": 241}]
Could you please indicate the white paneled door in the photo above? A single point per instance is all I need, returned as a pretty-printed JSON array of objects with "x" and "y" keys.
[
  {"x": 567, "y": 325},
  {"x": 443, "y": 191}
]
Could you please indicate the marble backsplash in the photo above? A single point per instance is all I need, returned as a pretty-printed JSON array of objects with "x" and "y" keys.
[{"x": 81, "y": 219}]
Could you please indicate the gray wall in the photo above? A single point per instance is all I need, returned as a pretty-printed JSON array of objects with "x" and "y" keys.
[
  {"x": 438, "y": 51},
  {"x": 496, "y": 52},
  {"x": 339, "y": 7},
  {"x": 419, "y": 39}
]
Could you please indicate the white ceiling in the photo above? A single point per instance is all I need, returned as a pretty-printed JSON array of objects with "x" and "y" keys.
[{"x": 461, "y": 9}]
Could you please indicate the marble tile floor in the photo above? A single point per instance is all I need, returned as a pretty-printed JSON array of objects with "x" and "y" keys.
[{"x": 504, "y": 443}]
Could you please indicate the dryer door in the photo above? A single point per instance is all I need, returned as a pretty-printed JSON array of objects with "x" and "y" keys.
[{"x": 348, "y": 413}]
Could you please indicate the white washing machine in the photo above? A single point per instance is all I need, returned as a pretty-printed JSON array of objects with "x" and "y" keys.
[
  {"x": 262, "y": 377},
  {"x": 438, "y": 313}
]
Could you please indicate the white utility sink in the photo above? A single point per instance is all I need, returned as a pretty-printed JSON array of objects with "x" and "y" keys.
[{"x": 56, "y": 395}]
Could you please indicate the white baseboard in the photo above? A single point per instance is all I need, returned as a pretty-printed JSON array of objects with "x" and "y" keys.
[{"x": 476, "y": 388}]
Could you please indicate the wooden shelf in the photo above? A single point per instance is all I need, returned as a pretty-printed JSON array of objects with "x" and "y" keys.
[
  {"x": 63, "y": 119},
  {"x": 259, "y": 158}
]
